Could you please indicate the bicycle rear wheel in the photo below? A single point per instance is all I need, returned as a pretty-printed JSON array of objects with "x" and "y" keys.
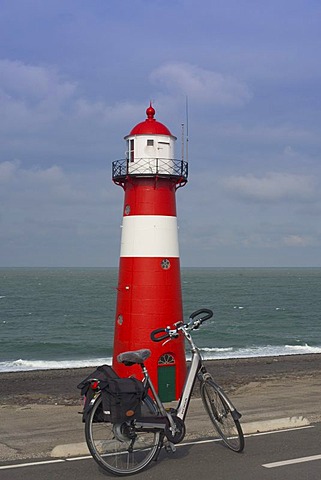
[
  {"x": 222, "y": 416},
  {"x": 119, "y": 448}
]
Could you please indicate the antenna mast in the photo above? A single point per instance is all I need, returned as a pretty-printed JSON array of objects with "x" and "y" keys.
[
  {"x": 186, "y": 106},
  {"x": 183, "y": 141}
]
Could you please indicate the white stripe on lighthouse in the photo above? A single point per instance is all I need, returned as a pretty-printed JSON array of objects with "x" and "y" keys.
[{"x": 149, "y": 236}]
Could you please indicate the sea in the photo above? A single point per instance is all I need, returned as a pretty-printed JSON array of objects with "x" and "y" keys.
[{"x": 64, "y": 317}]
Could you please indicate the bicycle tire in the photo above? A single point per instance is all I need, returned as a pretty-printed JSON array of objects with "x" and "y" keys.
[
  {"x": 224, "y": 420},
  {"x": 111, "y": 447}
]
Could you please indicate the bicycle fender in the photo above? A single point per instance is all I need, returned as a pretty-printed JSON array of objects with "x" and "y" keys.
[{"x": 89, "y": 405}]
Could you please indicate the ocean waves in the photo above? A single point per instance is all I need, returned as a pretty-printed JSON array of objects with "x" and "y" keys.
[
  {"x": 21, "y": 365},
  {"x": 208, "y": 353},
  {"x": 64, "y": 318},
  {"x": 256, "y": 351}
]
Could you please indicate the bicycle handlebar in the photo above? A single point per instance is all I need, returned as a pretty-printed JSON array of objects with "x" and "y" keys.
[
  {"x": 156, "y": 338},
  {"x": 167, "y": 333},
  {"x": 209, "y": 314}
]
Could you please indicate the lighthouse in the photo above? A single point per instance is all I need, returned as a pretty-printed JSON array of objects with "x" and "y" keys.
[{"x": 149, "y": 285}]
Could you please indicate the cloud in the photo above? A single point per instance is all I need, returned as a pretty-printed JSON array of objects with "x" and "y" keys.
[
  {"x": 200, "y": 85},
  {"x": 51, "y": 186},
  {"x": 272, "y": 187},
  {"x": 40, "y": 91},
  {"x": 55, "y": 217},
  {"x": 298, "y": 241},
  {"x": 262, "y": 133},
  {"x": 34, "y": 83},
  {"x": 7, "y": 171},
  {"x": 46, "y": 115},
  {"x": 33, "y": 97}
]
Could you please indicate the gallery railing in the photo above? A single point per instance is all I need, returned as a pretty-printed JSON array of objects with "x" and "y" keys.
[{"x": 140, "y": 167}]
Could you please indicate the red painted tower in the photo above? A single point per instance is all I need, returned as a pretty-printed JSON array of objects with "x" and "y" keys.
[{"x": 149, "y": 285}]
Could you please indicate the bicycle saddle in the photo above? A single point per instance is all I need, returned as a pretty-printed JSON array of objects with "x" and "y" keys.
[{"x": 132, "y": 357}]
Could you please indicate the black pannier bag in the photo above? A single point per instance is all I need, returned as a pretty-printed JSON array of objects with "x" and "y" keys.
[
  {"x": 122, "y": 399},
  {"x": 104, "y": 374}
]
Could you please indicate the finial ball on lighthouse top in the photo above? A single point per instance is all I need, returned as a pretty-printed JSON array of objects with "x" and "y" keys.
[
  {"x": 150, "y": 126},
  {"x": 150, "y": 112}
]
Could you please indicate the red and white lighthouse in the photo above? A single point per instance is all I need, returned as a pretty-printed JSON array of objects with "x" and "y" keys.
[{"x": 149, "y": 285}]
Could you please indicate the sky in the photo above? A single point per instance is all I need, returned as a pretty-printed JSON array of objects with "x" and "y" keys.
[{"x": 76, "y": 76}]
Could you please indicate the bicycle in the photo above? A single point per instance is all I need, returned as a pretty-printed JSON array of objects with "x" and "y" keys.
[{"x": 128, "y": 447}]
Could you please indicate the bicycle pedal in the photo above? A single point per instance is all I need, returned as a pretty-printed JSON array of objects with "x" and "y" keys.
[{"x": 170, "y": 447}]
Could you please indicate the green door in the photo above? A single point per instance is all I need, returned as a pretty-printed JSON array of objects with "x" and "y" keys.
[{"x": 166, "y": 382}]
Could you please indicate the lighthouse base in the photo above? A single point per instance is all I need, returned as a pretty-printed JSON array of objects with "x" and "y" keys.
[{"x": 149, "y": 297}]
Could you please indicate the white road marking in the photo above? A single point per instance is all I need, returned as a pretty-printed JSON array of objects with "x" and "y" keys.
[
  {"x": 258, "y": 434},
  {"x": 31, "y": 464},
  {"x": 292, "y": 461},
  {"x": 196, "y": 442},
  {"x": 73, "y": 459}
]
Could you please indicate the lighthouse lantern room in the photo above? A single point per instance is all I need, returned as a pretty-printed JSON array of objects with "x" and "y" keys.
[{"x": 149, "y": 286}]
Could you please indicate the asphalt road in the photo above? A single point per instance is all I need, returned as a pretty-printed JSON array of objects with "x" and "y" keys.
[{"x": 298, "y": 449}]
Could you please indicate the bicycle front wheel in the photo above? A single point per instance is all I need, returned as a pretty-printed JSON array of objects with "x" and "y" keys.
[
  {"x": 222, "y": 416},
  {"x": 119, "y": 448}
]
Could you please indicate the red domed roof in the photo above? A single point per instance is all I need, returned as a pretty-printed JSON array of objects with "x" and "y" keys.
[{"x": 150, "y": 126}]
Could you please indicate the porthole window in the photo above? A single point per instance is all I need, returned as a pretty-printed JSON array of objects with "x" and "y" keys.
[{"x": 165, "y": 264}]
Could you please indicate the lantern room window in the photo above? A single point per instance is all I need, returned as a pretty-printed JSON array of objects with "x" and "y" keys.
[
  {"x": 131, "y": 150},
  {"x": 150, "y": 143}
]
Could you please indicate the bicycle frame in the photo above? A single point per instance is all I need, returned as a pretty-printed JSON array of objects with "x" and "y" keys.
[
  {"x": 194, "y": 371},
  {"x": 197, "y": 369}
]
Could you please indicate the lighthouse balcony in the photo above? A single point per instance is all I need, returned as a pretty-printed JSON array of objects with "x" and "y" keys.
[{"x": 150, "y": 167}]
